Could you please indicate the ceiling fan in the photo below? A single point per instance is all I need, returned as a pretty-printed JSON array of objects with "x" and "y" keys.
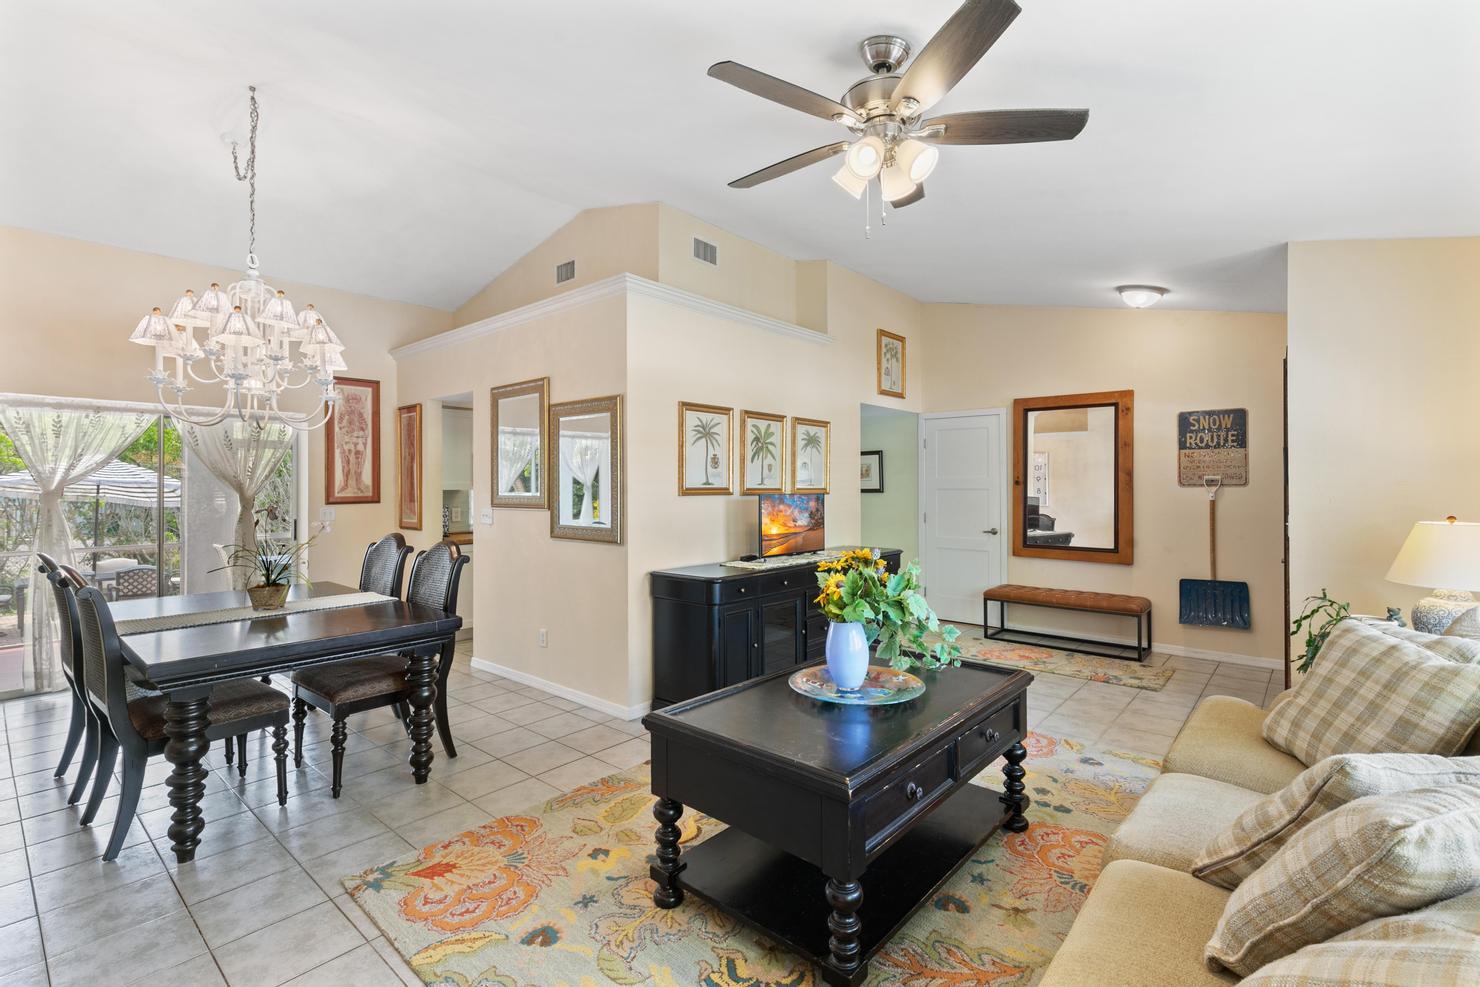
[{"x": 883, "y": 112}]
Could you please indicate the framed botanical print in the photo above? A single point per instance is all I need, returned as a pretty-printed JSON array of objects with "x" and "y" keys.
[
  {"x": 890, "y": 360},
  {"x": 352, "y": 444},
  {"x": 811, "y": 455},
  {"x": 408, "y": 467},
  {"x": 520, "y": 414},
  {"x": 705, "y": 453},
  {"x": 762, "y": 452},
  {"x": 585, "y": 469},
  {"x": 871, "y": 471}
]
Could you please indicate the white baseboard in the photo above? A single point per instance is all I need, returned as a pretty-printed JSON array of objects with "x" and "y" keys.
[
  {"x": 563, "y": 691},
  {"x": 1175, "y": 650}
]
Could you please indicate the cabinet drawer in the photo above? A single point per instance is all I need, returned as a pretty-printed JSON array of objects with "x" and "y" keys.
[
  {"x": 790, "y": 579},
  {"x": 985, "y": 739},
  {"x": 735, "y": 590},
  {"x": 912, "y": 792},
  {"x": 814, "y": 632}
]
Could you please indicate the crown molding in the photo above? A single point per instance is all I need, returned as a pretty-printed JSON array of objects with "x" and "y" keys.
[{"x": 617, "y": 284}]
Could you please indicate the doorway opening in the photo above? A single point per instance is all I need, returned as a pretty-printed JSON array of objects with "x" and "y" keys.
[{"x": 456, "y": 500}]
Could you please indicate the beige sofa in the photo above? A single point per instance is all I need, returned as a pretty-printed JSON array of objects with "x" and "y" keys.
[{"x": 1147, "y": 920}]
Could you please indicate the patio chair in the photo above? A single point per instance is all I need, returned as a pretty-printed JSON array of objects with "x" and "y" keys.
[{"x": 136, "y": 581}]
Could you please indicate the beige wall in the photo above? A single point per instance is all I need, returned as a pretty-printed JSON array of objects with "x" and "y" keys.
[
  {"x": 67, "y": 307},
  {"x": 747, "y": 274},
  {"x": 892, "y": 518},
  {"x": 985, "y": 356},
  {"x": 1384, "y": 347}
]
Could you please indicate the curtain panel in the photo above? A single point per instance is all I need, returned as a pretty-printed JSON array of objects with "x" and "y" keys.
[{"x": 244, "y": 456}]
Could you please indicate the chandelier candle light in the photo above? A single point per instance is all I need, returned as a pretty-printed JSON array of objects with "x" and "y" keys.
[{"x": 254, "y": 343}]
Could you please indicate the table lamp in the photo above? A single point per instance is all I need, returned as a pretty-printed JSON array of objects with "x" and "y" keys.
[{"x": 1441, "y": 554}]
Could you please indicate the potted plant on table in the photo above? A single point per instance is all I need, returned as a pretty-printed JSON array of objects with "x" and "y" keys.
[
  {"x": 866, "y": 606},
  {"x": 272, "y": 565}
]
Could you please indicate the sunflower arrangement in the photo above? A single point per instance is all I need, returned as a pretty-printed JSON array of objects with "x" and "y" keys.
[{"x": 857, "y": 587}]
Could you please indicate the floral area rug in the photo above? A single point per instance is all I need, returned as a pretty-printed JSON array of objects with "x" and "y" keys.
[
  {"x": 559, "y": 895},
  {"x": 1036, "y": 658}
]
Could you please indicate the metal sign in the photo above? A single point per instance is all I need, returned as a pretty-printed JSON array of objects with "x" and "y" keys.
[{"x": 1213, "y": 443}]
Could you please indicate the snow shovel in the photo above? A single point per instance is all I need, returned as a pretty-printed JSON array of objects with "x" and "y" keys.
[{"x": 1214, "y": 602}]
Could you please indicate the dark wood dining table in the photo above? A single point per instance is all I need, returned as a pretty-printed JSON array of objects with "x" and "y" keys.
[{"x": 184, "y": 664}]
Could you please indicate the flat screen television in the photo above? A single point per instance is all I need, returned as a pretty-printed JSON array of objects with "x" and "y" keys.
[{"x": 791, "y": 524}]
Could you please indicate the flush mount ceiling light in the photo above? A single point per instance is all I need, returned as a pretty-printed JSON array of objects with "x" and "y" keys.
[{"x": 1140, "y": 295}]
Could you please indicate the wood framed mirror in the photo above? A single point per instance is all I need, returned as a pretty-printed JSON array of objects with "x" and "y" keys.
[
  {"x": 1073, "y": 477},
  {"x": 520, "y": 414}
]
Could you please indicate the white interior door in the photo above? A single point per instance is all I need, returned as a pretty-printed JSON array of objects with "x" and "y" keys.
[{"x": 963, "y": 521}]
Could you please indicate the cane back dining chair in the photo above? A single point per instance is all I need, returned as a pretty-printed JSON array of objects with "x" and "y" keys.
[
  {"x": 132, "y": 719},
  {"x": 362, "y": 684},
  {"x": 81, "y": 728}
]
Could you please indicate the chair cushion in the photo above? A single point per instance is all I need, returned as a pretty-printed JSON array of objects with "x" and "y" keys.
[
  {"x": 1435, "y": 945},
  {"x": 230, "y": 703},
  {"x": 1176, "y": 818},
  {"x": 1372, "y": 691},
  {"x": 1222, "y": 740},
  {"x": 1069, "y": 599},
  {"x": 351, "y": 681},
  {"x": 1269, "y": 823},
  {"x": 1141, "y": 926},
  {"x": 1372, "y": 858}
]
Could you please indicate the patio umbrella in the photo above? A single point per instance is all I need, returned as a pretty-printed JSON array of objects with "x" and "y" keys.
[{"x": 117, "y": 483}]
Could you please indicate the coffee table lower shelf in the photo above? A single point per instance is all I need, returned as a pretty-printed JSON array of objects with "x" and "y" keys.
[{"x": 783, "y": 896}]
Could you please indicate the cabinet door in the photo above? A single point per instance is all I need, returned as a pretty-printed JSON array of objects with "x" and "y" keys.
[
  {"x": 739, "y": 645},
  {"x": 781, "y": 631}
]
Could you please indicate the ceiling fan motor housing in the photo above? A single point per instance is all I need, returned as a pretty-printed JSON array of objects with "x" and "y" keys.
[{"x": 884, "y": 53}]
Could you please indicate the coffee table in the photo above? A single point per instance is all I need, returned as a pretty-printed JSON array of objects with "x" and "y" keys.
[{"x": 823, "y": 800}]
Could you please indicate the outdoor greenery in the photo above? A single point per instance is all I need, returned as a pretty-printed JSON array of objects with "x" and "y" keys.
[
  {"x": 272, "y": 561},
  {"x": 1317, "y": 617},
  {"x": 857, "y": 588}
]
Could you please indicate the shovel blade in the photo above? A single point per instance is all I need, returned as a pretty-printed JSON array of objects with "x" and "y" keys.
[{"x": 1215, "y": 603}]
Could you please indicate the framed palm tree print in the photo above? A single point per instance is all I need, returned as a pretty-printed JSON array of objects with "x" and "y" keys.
[
  {"x": 762, "y": 453},
  {"x": 811, "y": 455},
  {"x": 890, "y": 363},
  {"x": 705, "y": 453}
]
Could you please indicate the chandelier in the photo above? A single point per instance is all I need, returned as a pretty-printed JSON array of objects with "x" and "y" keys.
[{"x": 251, "y": 340}]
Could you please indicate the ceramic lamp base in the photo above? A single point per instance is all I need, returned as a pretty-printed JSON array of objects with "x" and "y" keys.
[{"x": 1435, "y": 612}]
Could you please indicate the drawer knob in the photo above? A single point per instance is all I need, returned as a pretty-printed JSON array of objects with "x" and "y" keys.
[
  {"x": 989, "y": 735},
  {"x": 786, "y": 582},
  {"x": 913, "y": 792},
  {"x": 742, "y": 589}
]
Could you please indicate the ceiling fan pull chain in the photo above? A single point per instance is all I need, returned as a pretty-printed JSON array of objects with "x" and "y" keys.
[{"x": 868, "y": 232}]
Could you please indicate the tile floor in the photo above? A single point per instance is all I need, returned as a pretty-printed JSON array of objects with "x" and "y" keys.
[{"x": 262, "y": 904}]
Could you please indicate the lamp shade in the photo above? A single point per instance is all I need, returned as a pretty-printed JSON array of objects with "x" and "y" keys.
[
  {"x": 894, "y": 184},
  {"x": 917, "y": 158},
  {"x": 1443, "y": 554},
  {"x": 849, "y": 182},
  {"x": 152, "y": 330},
  {"x": 865, "y": 157}
]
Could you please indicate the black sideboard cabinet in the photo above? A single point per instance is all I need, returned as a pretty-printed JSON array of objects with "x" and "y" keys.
[{"x": 717, "y": 625}]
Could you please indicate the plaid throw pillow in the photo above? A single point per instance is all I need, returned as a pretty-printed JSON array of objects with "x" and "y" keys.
[
  {"x": 1376, "y": 857},
  {"x": 1376, "y": 692},
  {"x": 1264, "y": 827}
]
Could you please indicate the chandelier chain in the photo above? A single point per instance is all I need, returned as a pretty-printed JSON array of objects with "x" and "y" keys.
[{"x": 249, "y": 173}]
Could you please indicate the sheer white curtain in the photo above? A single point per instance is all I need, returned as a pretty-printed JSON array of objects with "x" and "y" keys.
[
  {"x": 515, "y": 451},
  {"x": 60, "y": 442},
  {"x": 583, "y": 457},
  {"x": 244, "y": 456}
]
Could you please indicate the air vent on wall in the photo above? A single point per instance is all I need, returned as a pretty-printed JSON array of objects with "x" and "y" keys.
[
  {"x": 565, "y": 272},
  {"x": 705, "y": 251}
]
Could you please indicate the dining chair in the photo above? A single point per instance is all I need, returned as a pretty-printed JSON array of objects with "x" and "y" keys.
[
  {"x": 81, "y": 728},
  {"x": 132, "y": 719},
  {"x": 362, "y": 684},
  {"x": 384, "y": 564}
]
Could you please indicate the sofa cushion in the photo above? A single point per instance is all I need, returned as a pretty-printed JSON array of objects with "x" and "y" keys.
[
  {"x": 1372, "y": 691},
  {"x": 1438, "y": 945},
  {"x": 1269, "y": 823},
  {"x": 1141, "y": 926},
  {"x": 1223, "y": 740},
  {"x": 1375, "y": 857},
  {"x": 1466, "y": 624},
  {"x": 1176, "y": 818}
]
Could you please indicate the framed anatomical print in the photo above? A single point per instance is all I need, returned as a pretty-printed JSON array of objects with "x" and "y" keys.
[
  {"x": 762, "y": 452},
  {"x": 408, "y": 466},
  {"x": 704, "y": 449},
  {"x": 811, "y": 455},
  {"x": 352, "y": 444}
]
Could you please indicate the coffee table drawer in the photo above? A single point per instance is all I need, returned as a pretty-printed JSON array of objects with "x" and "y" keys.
[
  {"x": 913, "y": 790},
  {"x": 985, "y": 739}
]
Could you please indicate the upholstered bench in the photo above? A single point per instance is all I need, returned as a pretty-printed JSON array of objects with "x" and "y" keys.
[{"x": 1119, "y": 604}]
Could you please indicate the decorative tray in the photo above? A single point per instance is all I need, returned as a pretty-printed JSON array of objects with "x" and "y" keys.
[{"x": 882, "y": 686}]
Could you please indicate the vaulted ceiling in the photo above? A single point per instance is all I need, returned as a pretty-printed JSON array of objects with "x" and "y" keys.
[{"x": 412, "y": 151}]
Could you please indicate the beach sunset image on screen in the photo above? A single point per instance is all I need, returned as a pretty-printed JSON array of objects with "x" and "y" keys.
[{"x": 791, "y": 523}]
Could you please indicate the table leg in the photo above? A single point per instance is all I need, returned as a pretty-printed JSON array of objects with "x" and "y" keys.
[
  {"x": 1014, "y": 794},
  {"x": 185, "y": 720},
  {"x": 421, "y": 677},
  {"x": 667, "y": 894},
  {"x": 844, "y": 924}
]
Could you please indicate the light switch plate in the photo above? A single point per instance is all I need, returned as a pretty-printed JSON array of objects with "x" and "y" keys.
[
  {"x": 485, "y": 516},
  {"x": 326, "y": 514}
]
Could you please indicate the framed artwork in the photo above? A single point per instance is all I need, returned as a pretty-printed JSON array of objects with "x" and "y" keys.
[
  {"x": 352, "y": 444},
  {"x": 408, "y": 467},
  {"x": 705, "y": 453},
  {"x": 520, "y": 414},
  {"x": 585, "y": 469},
  {"x": 811, "y": 455},
  {"x": 890, "y": 359},
  {"x": 871, "y": 471},
  {"x": 762, "y": 452}
]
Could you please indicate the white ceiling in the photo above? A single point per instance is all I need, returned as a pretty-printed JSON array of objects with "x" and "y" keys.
[{"x": 412, "y": 151}]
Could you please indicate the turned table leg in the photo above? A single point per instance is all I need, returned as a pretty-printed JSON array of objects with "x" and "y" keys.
[
  {"x": 421, "y": 677},
  {"x": 844, "y": 924},
  {"x": 1013, "y": 791},
  {"x": 185, "y": 721},
  {"x": 665, "y": 872}
]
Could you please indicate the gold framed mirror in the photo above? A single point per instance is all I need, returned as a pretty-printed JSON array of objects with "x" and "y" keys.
[
  {"x": 585, "y": 469},
  {"x": 519, "y": 418}
]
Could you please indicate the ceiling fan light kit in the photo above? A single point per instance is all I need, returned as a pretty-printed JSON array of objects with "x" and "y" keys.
[
  {"x": 1140, "y": 295},
  {"x": 884, "y": 112}
]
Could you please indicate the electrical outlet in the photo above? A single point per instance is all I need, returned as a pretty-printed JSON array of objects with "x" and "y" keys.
[
  {"x": 485, "y": 516},
  {"x": 544, "y": 638},
  {"x": 326, "y": 515}
]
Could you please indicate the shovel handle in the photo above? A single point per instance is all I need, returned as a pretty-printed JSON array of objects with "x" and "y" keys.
[{"x": 1213, "y": 538}]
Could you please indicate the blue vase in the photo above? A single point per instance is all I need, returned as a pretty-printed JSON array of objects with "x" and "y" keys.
[{"x": 847, "y": 654}]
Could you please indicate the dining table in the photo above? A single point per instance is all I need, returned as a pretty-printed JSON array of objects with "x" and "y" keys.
[{"x": 185, "y": 662}]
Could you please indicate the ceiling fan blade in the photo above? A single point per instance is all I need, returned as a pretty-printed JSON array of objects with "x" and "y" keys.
[
  {"x": 1007, "y": 126},
  {"x": 957, "y": 46},
  {"x": 911, "y": 199},
  {"x": 777, "y": 90},
  {"x": 794, "y": 163}
]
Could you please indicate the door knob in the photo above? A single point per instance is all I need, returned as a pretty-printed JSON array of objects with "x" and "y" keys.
[{"x": 989, "y": 531}]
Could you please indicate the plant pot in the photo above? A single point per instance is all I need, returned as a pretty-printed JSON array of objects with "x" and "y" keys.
[
  {"x": 847, "y": 654},
  {"x": 268, "y": 597}
]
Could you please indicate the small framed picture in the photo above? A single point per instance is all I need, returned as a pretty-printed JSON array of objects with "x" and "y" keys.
[
  {"x": 705, "y": 452},
  {"x": 890, "y": 364},
  {"x": 408, "y": 466},
  {"x": 871, "y": 471},
  {"x": 811, "y": 455},
  {"x": 762, "y": 452}
]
